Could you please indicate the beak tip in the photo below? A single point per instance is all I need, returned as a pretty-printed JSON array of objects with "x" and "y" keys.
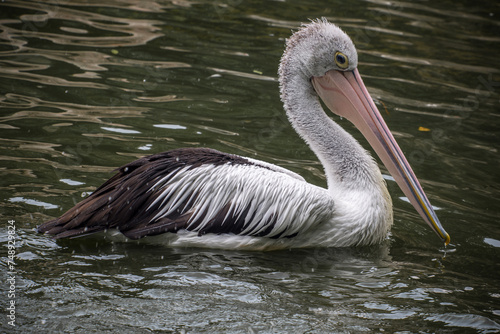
[{"x": 446, "y": 239}]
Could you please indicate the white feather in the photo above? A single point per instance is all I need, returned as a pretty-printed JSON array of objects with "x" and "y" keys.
[{"x": 268, "y": 194}]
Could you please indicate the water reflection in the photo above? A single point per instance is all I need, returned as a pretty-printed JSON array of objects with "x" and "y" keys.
[
  {"x": 103, "y": 30},
  {"x": 32, "y": 107},
  {"x": 210, "y": 283}
]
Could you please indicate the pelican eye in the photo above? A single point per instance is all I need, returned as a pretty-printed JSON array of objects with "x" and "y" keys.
[{"x": 341, "y": 60}]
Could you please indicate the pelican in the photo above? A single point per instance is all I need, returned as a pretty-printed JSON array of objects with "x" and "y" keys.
[{"x": 203, "y": 197}]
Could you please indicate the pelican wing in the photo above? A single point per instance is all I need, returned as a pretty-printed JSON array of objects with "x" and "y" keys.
[{"x": 199, "y": 190}]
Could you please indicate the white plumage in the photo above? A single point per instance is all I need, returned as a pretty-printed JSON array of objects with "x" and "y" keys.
[{"x": 264, "y": 195}]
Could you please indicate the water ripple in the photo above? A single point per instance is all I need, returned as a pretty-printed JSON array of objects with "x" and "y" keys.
[
  {"x": 433, "y": 62},
  {"x": 126, "y": 31},
  {"x": 64, "y": 111}
]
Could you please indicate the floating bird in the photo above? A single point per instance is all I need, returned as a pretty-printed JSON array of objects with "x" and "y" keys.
[{"x": 203, "y": 197}]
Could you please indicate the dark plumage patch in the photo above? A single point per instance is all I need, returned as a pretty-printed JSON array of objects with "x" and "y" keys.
[{"x": 122, "y": 202}]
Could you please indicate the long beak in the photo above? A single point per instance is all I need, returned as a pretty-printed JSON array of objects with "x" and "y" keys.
[{"x": 345, "y": 94}]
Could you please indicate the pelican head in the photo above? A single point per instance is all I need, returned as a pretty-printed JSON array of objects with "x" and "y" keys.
[{"x": 329, "y": 61}]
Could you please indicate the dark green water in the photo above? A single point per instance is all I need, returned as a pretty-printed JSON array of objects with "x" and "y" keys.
[{"x": 86, "y": 86}]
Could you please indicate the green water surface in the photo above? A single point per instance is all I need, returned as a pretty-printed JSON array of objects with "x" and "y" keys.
[{"x": 87, "y": 86}]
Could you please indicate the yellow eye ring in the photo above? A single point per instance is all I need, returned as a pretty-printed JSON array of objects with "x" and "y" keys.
[{"x": 341, "y": 60}]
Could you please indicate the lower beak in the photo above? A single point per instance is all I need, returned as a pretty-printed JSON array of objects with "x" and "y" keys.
[{"x": 345, "y": 94}]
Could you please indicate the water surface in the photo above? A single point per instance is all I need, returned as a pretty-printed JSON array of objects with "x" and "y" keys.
[{"x": 88, "y": 86}]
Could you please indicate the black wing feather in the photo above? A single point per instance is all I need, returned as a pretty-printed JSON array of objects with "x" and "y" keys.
[{"x": 122, "y": 202}]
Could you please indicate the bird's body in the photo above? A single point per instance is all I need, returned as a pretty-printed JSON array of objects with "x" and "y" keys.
[
  {"x": 198, "y": 195},
  {"x": 202, "y": 197}
]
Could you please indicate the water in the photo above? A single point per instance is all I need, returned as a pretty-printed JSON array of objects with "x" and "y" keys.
[{"x": 88, "y": 86}]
